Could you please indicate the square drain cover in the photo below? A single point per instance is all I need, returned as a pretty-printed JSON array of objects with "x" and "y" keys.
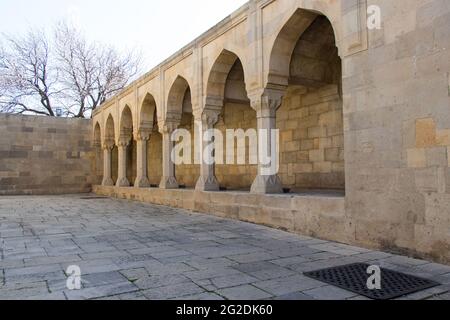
[{"x": 354, "y": 278}]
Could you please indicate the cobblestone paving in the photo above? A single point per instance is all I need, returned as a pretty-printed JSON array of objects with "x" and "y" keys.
[{"x": 130, "y": 250}]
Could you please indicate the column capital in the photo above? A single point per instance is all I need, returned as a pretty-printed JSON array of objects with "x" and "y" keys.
[
  {"x": 124, "y": 141},
  {"x": 266, "y": 102},
  {"x": 210, "y": 117},
  {"x": 108, "y": 145},
  {"x": 142, "y": 134},
  {"x": 168, "y": 127},
  {"x": 172, "y": 117},
  {"x": 210, "y": 114}
]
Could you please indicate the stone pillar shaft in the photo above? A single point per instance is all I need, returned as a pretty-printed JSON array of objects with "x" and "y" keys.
[
  {"x": 207, "y": 180},
  {"x": 168, "y": 180},
  {"x": 107, "y": 172},
  {"x": 141, "y": 161},
  {"x": 266, "y": 105},
  {"x": 122, "y": 180}
]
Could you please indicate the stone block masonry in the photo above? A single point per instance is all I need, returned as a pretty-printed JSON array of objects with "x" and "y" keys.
[
  {"x": 40, "y": 155},
  {"x": 361, "y": 111}
]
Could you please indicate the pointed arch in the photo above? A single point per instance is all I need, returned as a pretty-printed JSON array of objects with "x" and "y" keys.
[
  {"x": 215, "y": 88},
  {"x": 148, "y": 115},
  {"x": 308, "y": 65},
  {"x": 284, "y": 45},
  {"x": 97, "y": 134},
  {"x": 110, "y": 129},
  {"x": 98, "y": 163},
  {"x": 126, "y": 122},
  {"x": 176, "y": 98}
]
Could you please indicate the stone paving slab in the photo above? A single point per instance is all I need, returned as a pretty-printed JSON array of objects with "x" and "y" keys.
[{"x": 133, "y": 251}]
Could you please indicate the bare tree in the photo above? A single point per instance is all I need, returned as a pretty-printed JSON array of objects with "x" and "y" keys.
[
  {"x": 90, "y": 73},
  {"x": 71, "y": 74},
  {"x": 27, "y": 82}
]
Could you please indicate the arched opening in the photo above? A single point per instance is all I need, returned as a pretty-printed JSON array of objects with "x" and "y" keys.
[
  {"x": 226, "y": 87},
  {"x": 110, "y": 139},
  {"x": 98, "y": 153},
  {"x": 131, "y": 162},
  {"x": 310, "y": 118},
  {"x": 148, "y": 112},
  {"x": 187, "y": 174},
  {"x": 126, "y": 135},
  {"x": 155, "y": 156},
  {"x": 149, "y": 123},
  {"x": 236, "y": 114}
]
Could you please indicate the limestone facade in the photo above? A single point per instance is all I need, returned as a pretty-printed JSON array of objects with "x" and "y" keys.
[{"x": 365, "y": 111}]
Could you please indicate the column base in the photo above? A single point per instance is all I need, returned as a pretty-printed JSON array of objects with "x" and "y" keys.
[
  {"x": 123, "y": 182},
  {"x": 107, "y": 182},
  {"x": 267, "y": 185},
  {"x": 169, "y": 183},
  {"x": 142, "y": 182},
  {"x": 207, "y": 184}
]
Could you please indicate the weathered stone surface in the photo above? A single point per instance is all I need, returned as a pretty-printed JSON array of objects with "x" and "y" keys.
[
  {"x": 39, "y": 157},
  {"x": 361, "y": 110},
  {"x": 213, "y": 264}
]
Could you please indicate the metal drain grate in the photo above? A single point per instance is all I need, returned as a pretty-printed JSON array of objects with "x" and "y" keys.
[{"x": 354, "y": 278}]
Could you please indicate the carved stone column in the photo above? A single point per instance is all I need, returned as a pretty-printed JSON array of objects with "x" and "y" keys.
[
  {"x": 107, "y": 172},
  {"x": 168, "y": 180},
  {"x": 266, "y": 105},
  {"x": 207, "y": 180},
  {"x": 142, "y": 137},
  {"x": 122, "y": 180}
]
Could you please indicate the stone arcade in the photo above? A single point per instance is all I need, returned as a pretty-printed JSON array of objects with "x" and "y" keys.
[{"x": 364, "y": 120}]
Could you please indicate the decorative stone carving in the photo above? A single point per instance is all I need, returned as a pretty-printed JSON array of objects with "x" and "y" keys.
[
  {"x": 208, "y": 183},
  {"x": 266, "y": 103},
  {"x": 169, "y": 183},
  {"x": 267, "y": 185}
]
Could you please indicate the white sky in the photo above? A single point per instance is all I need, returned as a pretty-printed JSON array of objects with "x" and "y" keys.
[{"x": 156, "y": 27}]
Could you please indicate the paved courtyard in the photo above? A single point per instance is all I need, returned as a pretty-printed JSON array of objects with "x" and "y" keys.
[{"x": 130, "y": 250}]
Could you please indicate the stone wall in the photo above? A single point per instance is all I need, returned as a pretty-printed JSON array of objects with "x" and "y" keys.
[
  {"x": 397, "y": 117},
  {"x": 312, "y": 139},
  {"x": 236, "y": 177},
  {"x": 394, "y": 93},
  {"x": 41, "y": 155}
]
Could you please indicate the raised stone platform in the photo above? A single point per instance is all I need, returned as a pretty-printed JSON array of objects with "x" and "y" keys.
[
  {"x": 128, "y": 250},
  {"x": 319, "y": 214}
]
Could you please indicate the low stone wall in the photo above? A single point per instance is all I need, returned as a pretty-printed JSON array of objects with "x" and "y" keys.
[
  {"x": 42, "y": 155},
  {"x": 318, "y": 216}
]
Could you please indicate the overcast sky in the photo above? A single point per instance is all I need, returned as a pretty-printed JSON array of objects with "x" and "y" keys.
[{"x": 157, "y": 27}]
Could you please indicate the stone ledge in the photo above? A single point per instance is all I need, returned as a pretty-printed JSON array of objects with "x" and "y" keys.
[{"x": 307, "y": 214}]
